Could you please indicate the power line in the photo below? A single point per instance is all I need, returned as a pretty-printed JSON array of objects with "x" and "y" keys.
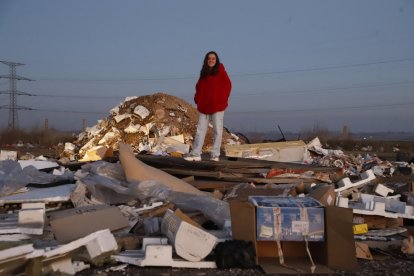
[
  {"x": 57, "y": 111},
  {"x": 251, "y": 111},
  {"x": 77, "y": 96},
  {"x": 70, "y": 111},
  {"x": 192, "y": 76},
  {"x": 322, "y": 109},
  {"x": 328, "y": 89},
  {"x": 327, "y": 67},
  {"x": 237, "y": 93}
]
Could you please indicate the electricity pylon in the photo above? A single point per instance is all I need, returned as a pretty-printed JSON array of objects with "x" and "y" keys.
[{"x": 13, "y": 92}]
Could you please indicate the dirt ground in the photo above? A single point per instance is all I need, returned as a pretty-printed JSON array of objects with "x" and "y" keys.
[{"x": 382, "y": 265}]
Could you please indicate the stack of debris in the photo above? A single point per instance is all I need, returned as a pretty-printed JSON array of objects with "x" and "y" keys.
[
  {"x": 158, "y": 123},
  {"x": 285, "y": 206},
  {"x": 152, "y": 210}
]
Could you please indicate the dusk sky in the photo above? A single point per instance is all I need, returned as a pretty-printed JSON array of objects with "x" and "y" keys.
[{"x": 293, "y": 63}]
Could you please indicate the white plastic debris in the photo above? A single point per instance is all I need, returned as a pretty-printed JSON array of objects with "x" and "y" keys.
[
  {"x": 141, "y": 111},
  {"x": 132, "y": 128},
  {"x": 121, "y": 117}
]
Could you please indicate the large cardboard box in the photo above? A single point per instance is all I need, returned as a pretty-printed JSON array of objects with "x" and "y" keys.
[
  {"x": 69, "y": 225},
  {"x": 288, "y": 218},
  {"x": 336, "y": 252}
]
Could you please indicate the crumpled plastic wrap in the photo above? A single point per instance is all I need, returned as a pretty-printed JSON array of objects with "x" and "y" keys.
[
  {"x": 214, "y": 209},
  {"x": 13, "y": 177},
  {"x": 107, "y": 184}
]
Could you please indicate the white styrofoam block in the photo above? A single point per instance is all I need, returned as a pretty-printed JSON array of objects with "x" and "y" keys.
[
  {"x": 342, "y": 202},
  {"x": 32, "y": 218},
  {"x": 79, "y": 266},
  {"x": 151, "y": 241},
  {"x": 14, "y": 237},
  {"x": 158, "y": 255},
  {"x": 382, "y": 190},
  {"x": 346, "y": 183},
  {"x": 62, "y": 265},
  {"x": 375, "y": 205},
  {"x": 103, "y": 242},
  {"x": 97, "y": 243},
  {"x": 38, "y": 164},
  {"x": 16, "y": 251}
]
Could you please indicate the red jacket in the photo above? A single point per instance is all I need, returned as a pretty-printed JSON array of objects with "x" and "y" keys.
[{"x": 212, "y": 92}]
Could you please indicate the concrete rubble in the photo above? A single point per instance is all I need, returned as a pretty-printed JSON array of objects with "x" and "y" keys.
[{"x": 121, "y": 196}]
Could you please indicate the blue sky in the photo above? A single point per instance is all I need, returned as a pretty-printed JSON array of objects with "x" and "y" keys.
[{"x": 293, "y": 63}]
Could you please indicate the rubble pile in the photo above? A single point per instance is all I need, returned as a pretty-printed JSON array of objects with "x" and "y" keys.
[
  {"x": 350, "y": 164},
  {"x": 283, "y": 207},
  {"x": 144, "y": 122}
]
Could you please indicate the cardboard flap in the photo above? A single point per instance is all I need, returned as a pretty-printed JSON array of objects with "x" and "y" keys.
[
  {"x": 340, "y": 239},
  {"x": 72, "y": 224}
]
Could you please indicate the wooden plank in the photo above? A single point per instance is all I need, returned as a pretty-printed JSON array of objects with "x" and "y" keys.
[
  {"x": 213, "y": 185},
  {"x": 214, "y": 174},
  {"x": 272, "y": 180},
  {"x": 226, "y": 164}
]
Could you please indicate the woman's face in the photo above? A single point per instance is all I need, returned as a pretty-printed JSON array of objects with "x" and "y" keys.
[{"x": 211, "y": 60}]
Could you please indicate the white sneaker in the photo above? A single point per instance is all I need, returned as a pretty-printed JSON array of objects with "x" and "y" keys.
[
  {"x": 192, "y": 158},
  {"x": 214, "y": 158}
]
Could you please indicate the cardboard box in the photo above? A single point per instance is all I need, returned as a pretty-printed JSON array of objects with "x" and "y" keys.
[
  {"x": 288, "y": 218},
  {"x": 72, "y": 224},
  {"x": 336, "y": 252},
  {"x": 324, "y": 194}
]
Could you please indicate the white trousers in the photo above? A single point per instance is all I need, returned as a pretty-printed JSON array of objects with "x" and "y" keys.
[{"x": 202, "y": 127}]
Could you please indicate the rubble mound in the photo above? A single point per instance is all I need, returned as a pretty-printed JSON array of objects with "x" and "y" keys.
[{"x": 138, "y": 119}]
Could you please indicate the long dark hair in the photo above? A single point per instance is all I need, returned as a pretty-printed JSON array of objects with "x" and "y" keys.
[{"x": 205, "y": 70}]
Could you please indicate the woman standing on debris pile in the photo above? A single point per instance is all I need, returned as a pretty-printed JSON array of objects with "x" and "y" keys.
[{"x": 211, "y": 97}]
